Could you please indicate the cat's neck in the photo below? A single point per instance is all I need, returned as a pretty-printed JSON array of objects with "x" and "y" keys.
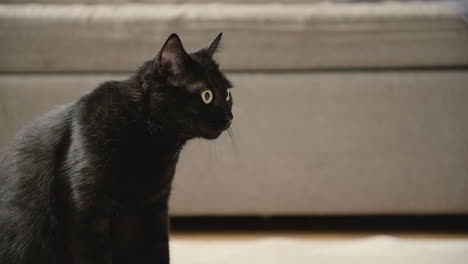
[
  {"x": 137, "y": 152},
  {"x": 115, "y": 119}
]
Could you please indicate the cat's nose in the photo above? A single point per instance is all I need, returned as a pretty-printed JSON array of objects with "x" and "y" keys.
[{"x": 228, "y": 118}]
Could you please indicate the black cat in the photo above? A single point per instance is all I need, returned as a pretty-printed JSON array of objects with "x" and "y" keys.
[{"x": 90, "y": 182}]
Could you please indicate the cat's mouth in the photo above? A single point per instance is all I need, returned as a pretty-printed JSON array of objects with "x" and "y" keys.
[
  {"x": 215, "y": 133},
  {"x": 216, "y": 128}
]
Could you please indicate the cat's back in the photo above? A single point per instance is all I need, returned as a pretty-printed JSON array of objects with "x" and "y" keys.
[
  {"x": 37, "y": 142},
  {"x": 28, "y": 170}
]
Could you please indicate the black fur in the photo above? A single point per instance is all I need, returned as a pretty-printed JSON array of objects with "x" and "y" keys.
[{"x": 90, "y": 182}]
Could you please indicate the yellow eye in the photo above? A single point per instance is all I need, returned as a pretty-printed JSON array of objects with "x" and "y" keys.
[
  {"x": 228, "y": 97},
  {"x": 207, "y": 96}
]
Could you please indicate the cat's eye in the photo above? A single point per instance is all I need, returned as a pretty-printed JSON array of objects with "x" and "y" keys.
[
  {"x": 207, "y": 96},
  {"x": 228, "y": 97}
]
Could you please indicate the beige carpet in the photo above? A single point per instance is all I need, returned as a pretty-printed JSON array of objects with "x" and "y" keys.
[{"x": 272, "y": 250}]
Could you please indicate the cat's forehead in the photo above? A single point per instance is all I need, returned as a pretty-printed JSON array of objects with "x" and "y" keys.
[
  {"x": 217, "y": 79},
  {"x": 209, "y": 69},
  {"x": 210, "y": 78},
  {"x": 202, "y": 85}
]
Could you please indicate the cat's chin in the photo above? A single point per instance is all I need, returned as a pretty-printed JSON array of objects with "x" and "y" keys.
[{"x": 212, "y": 135}]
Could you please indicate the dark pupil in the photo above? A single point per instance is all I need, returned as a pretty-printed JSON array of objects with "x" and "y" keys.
[{"x": 207, "y": 96}]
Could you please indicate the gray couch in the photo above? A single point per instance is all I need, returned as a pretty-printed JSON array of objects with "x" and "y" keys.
[{"x": 340, "y": 108}]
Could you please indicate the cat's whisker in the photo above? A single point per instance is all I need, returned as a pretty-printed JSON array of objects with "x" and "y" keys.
[
  {"x": 214, "y": 147},
  {"x": 209, "y": 155},
  {"x": 234, "y": 148}
]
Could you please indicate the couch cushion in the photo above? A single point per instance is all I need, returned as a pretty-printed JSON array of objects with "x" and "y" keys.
[
  {"x": 114, "y": 38},
  {"x": 342, "y": 143}
]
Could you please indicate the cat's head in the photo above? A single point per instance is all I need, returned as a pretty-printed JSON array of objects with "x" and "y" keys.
[{"x": 189, "y": 90}]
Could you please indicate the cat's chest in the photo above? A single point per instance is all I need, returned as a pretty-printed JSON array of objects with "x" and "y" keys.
[{"x": 145, "y": 180}]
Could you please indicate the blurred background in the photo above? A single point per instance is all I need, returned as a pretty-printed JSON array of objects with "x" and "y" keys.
[{"x": 350, "y": 119}]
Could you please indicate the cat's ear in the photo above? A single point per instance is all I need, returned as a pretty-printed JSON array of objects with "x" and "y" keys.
[
  {"x": 172, "y": 55},
  {"x": 214, "y": 45}
]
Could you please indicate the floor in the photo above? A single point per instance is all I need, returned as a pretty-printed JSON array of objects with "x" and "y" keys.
[
  {"x": 439, "y": 242},
  {"x": 311, "y": 236},
  {"x": 323, "y": 248}
]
